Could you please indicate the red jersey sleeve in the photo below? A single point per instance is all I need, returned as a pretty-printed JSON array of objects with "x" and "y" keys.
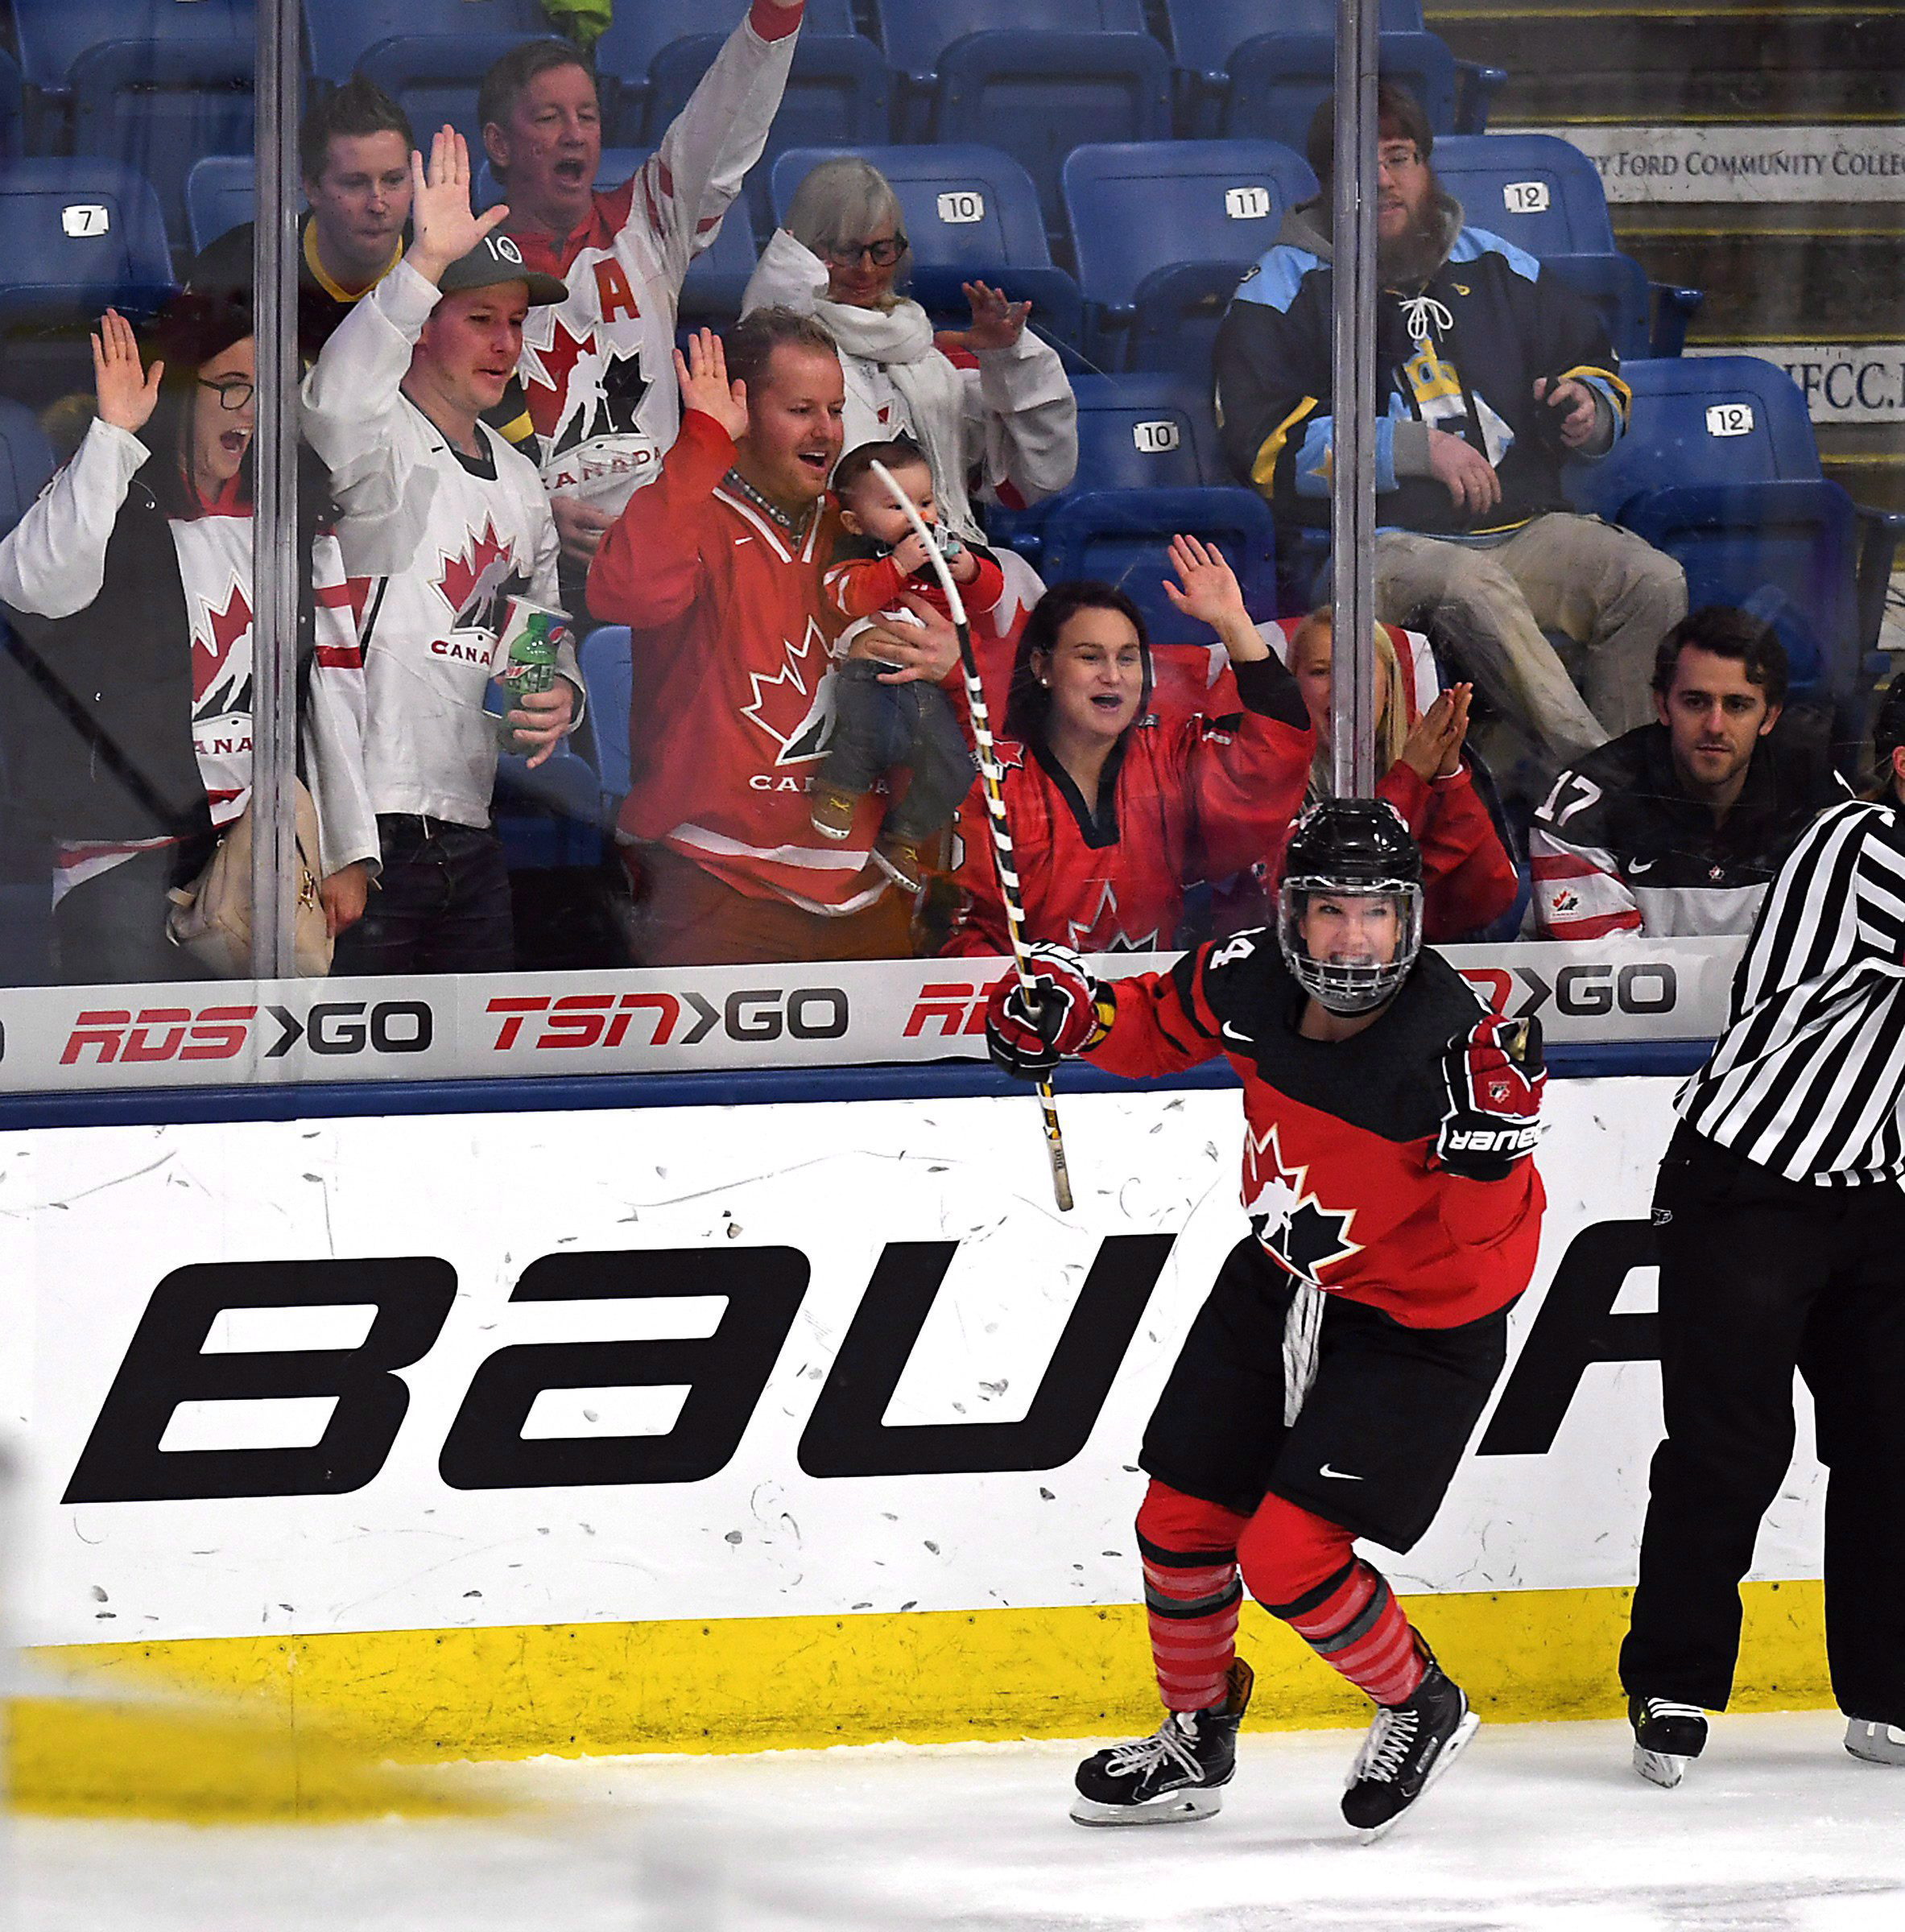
[
  {"x": 1246, "y": 777},
  {"x": 1468, "y": 878},
  {"x": 648, "y": 569},
  {"x": 862, "y": 587},
  {"x": 983, "y": 596},
  {"x": 1164, "y": 1022}
]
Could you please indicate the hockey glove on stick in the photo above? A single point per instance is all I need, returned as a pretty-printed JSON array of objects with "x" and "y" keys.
[
  {"x": 1028, "y": 1035},
  {"x": 1494, "y": 1074}
]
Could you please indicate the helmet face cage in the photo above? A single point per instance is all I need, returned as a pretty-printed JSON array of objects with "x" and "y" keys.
[{"x": 1348, "y": 987}]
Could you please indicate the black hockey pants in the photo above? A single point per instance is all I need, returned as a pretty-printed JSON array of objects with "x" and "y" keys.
[{"x": 1759, "y": 1275}]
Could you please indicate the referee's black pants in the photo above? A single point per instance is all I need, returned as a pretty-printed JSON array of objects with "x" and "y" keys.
[{"x": 1758, "y": 1276}]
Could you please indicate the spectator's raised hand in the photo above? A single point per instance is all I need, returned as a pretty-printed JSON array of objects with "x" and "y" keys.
[
  {"x": 996, "y": 324},
  {"x": 1464, "y": 472},
  {"x": 703, "y": 373},
  {"x": 1573, "y": 406},
  {"x": 127, "y": 393},
  {"x": 1433, "y": 749},
  {"x": 1210, "y": 593},
  {"x": 439, "y": 213}
]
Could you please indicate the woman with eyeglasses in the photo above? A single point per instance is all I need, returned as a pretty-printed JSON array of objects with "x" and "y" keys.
[
  {"x": 989, "y": 404},
  {"x": 128, "y": 584}
]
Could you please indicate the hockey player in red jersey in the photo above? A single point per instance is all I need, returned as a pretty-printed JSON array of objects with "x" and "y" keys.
[
  {"x": 1328, "y": 1386},
  {"x": 1114, "y": 810}
]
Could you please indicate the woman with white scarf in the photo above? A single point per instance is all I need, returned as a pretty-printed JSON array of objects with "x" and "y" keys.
[{"x": 1010, "y": 426}]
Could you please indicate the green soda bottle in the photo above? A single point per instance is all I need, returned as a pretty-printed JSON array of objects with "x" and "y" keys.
[{"x": 532, "y": 661}]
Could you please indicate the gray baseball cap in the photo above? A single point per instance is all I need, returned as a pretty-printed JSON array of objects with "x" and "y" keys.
[{"x": 497, "y": 258}]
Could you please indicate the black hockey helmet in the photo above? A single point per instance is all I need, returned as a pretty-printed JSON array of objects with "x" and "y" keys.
[{"x": 1351, "y": 848}]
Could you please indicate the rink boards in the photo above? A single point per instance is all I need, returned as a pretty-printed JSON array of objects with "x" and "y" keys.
[{"x": 724, "y": 1427}]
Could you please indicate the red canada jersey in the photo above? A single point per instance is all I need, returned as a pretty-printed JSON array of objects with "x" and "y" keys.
[
  {"x": 1339, "y": 1178},
  {"x": 733, "y": 707},
  {"x": 1197, "y": 798}
]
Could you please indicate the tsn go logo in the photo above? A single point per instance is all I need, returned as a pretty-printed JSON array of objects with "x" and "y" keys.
[{"x": 726, "y": 1373}]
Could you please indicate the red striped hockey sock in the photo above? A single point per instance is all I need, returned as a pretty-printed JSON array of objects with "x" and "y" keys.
[
  {"x": 1191, "y": 1593},
  {"x": 1354, "y": 1624}
]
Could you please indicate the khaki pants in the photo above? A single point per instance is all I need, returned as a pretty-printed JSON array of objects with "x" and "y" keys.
[{"x": 1615, "y": 595}]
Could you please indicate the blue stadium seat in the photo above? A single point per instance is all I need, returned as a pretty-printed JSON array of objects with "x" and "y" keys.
[
  {"x": 626, "y": 54},
  {"x": 1137, "y": 207},
  {"x": 1135, "y": 433},
  {"x": 434, "y": 77},
  {"x": 1038, "y": 94},
  {"x": 1205, "y": 33},
  {"x": 608, "y": 672},
  {"x": 839, "y": 91},
  {"x": 1544, "y": 195},
  {"x": 11, "y": 129},
  {"x": 1720, "y": 468},
  {"x": 337, "y": 32},
  {"x": 1123, "y": 537},
  {"x": 916, "y": 33},
  {"x": 962, "y": 204},
  {"x": 221, "y": 194},
  {"x": 1278, "y": 81},
  {"x": 76, "y": 235},
  {"x": 550, "y": 816},
  {"x": 969, "y": 211},
  {"x": 152, "y": 83}
]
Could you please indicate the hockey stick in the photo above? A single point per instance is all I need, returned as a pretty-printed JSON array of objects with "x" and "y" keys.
[{"x": 992, "y": 779}]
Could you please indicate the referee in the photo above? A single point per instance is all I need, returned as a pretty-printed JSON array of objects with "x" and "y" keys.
[{"x": 1782, "y": 1243}]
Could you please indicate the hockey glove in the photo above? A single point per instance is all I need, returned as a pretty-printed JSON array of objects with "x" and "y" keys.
[
  {"x": 1494, "y": 1074},
  {"x": 1027, "y": 1035}
]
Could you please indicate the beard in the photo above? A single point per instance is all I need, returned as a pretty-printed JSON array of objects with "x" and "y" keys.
[{"x": 1415, "y": 255}]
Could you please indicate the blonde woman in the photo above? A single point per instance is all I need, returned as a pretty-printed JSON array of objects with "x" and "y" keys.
[{"x": 1467, "y": 876}]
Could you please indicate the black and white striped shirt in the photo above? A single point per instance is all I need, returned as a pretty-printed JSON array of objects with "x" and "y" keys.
[{"x": 1808, "y": 1079}]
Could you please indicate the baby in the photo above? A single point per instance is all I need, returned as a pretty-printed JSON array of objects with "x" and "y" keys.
[{"x": 879, "y": 727}]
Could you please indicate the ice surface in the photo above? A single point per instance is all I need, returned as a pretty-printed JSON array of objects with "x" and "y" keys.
[{"x": 1540, "y": 1827}]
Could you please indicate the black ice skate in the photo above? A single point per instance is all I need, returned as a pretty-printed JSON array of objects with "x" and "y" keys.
[
  {"x": 1409, "y": 1745},
  {"x": 1172, "y": 1776},
  {"x": 1666, "y": 1735}
]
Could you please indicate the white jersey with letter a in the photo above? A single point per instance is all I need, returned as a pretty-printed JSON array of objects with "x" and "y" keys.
[{"x": 598, "y": 371}]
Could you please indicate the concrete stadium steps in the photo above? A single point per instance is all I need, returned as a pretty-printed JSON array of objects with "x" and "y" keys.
[{"x": 1585, "y": 60}]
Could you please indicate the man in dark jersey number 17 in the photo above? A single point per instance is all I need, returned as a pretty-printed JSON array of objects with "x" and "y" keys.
[{"x": 1328, "y": 1386}]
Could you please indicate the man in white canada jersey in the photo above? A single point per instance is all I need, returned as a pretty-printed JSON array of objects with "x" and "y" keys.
[
  {"x": 455, "y": 523},
  {"x": 598, "y": 369}
]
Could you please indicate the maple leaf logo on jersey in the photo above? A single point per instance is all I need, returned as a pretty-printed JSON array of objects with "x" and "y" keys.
[
  {"x": 545, "y": 374},
  {"x": 613, "y": 410},
  {"x": 1295, "y": 1228},
  {"x": 227, "y": 627},
  {"x": 478, "y": 578},
  {"x": 1084, "y": 935},
  {"x": 799, "y": 696}
]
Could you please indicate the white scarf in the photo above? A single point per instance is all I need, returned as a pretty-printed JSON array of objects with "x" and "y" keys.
[{"x": 900, "y": 341}]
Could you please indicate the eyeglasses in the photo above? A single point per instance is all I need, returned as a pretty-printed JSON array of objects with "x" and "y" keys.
[
  {"x": 882, "y": 254},
  {"x": 1396, "y": 159},
  {"x": 232, "y": 395}
]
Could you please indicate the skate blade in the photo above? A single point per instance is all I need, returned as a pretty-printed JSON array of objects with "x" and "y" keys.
[
  {"x": 1457, "y": 1740},
  {"x": 1660, "y": 1767},
  {"x": 1874, "y": 1744},
  {"x": 1173, "y": 1808}
]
